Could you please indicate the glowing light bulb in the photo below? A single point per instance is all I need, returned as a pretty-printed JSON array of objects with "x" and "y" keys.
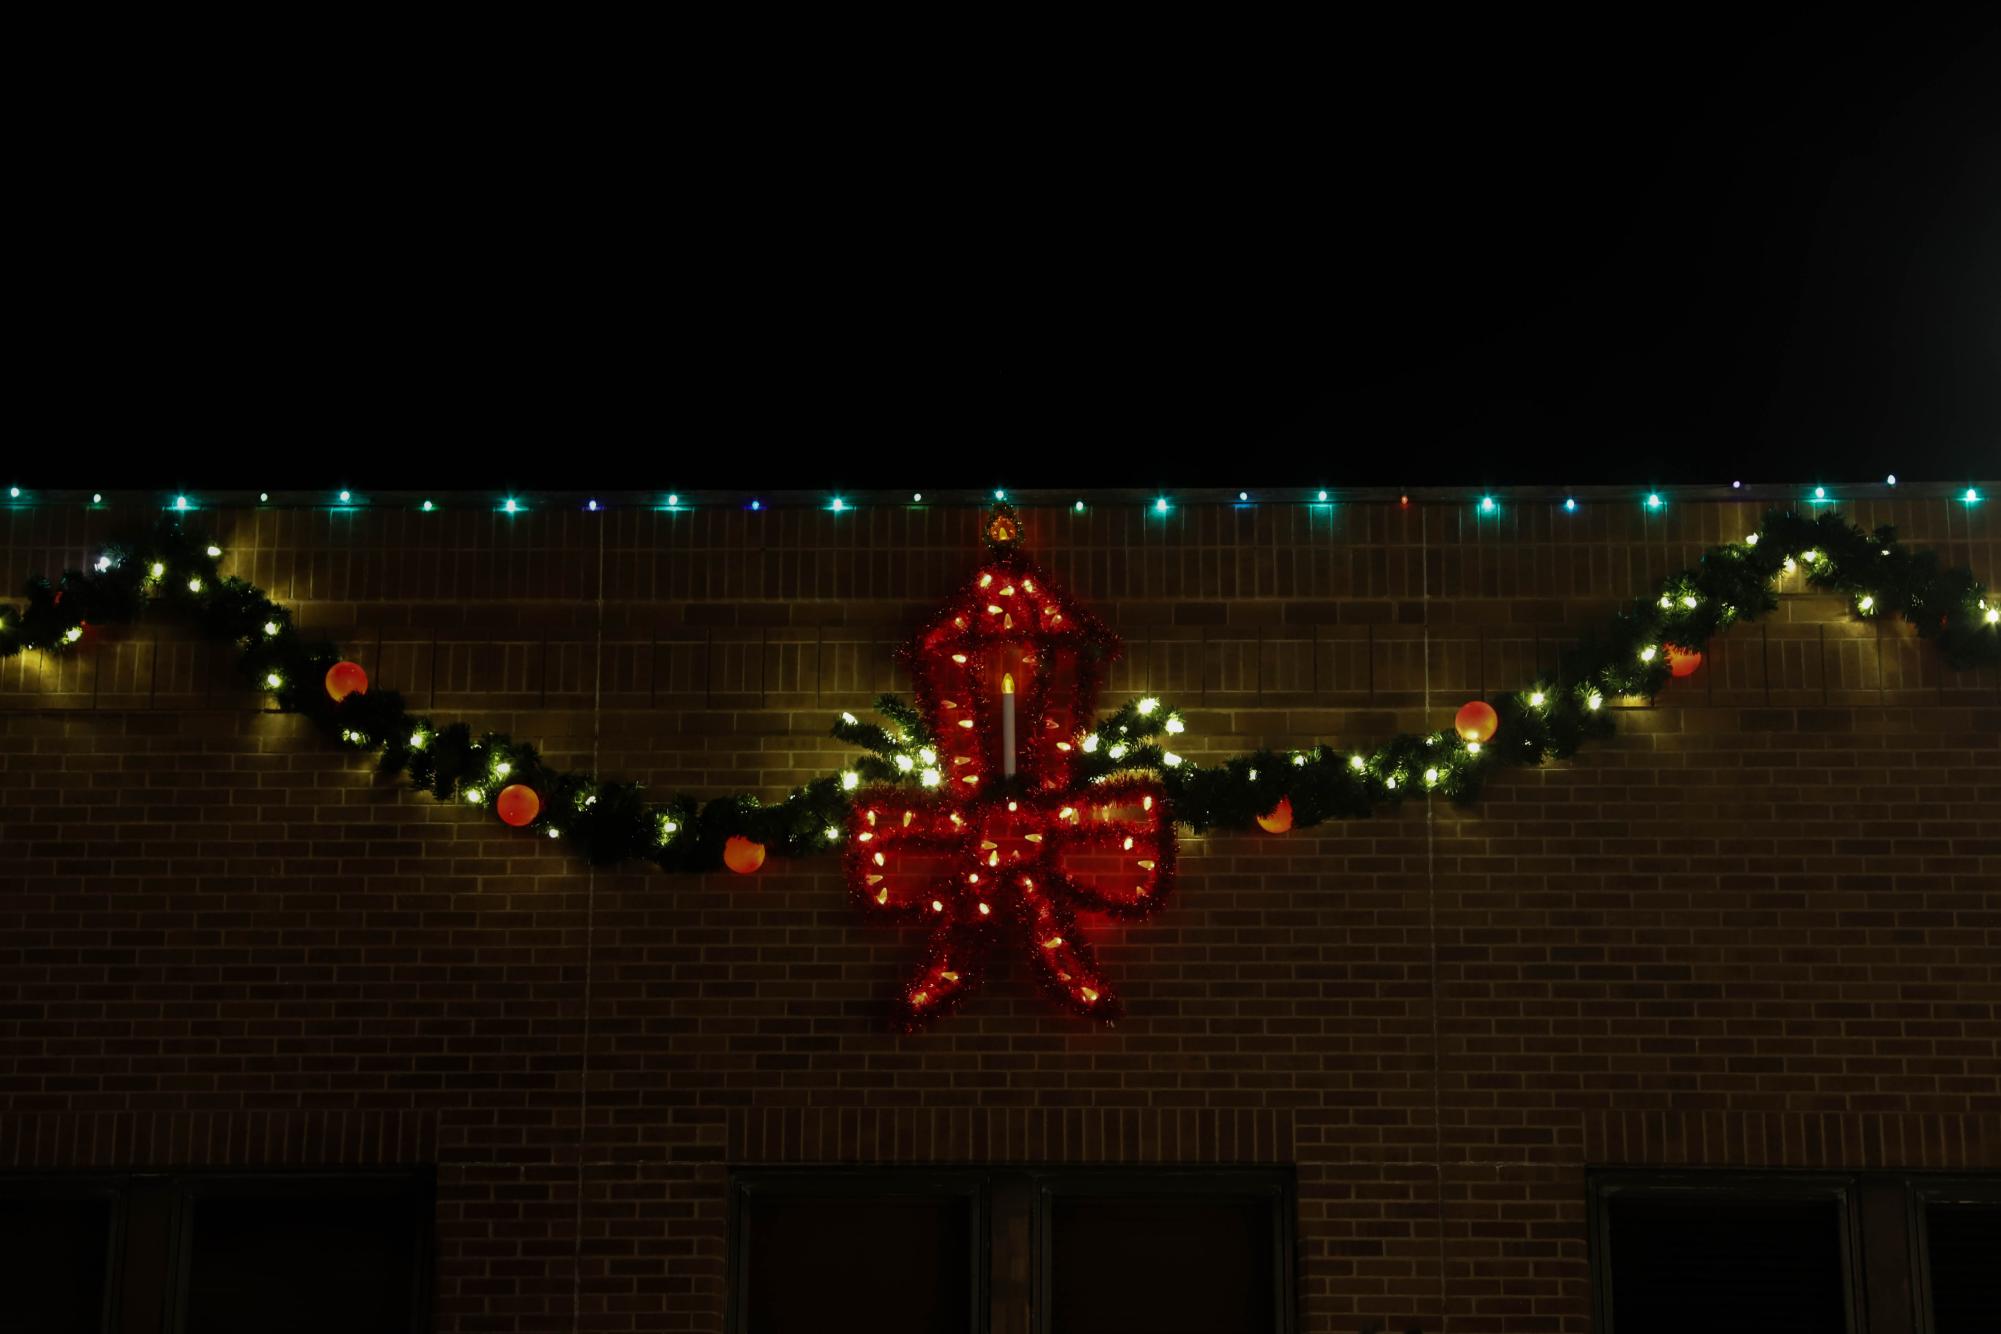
[
  {"x": 838, "y": 505},
  {"x": 1357, "y": 763},
  {"x": 1118, "y": 751},
  {"x": 417, "y": 740},
  {"x": 1971, "y": 495},
  {"x": 1243, "y": 495},
  {"x": 511, "y": 505},
  {"x": 1147, "y": 706},
  {"x": 97, "y": 497},
  {"x": 1647, "y": 654},
  {"x": 74, "y": 633},
  {"x": 1666, "y": 601},
  {"x": 1090, "y": 743},
  {"x": 850, "y": 781},
  {"x": 1865, "y": 603},
  {"x": 1809, "y": 556},
  {"x": 1472, "y": 748},
  {"x": 103, "y": 564},
  {"x": 13, "y": 493},
  {"x": 555, "y": 832},
  {"x": 474, "y": 796},
  {"x": 1751, "y": 541},
  {"x": 264, "y": 497},
  {"x": 1175, "y": 727},
  {"x": 1653, "y": 500},
  {"x": 1891, "y": 480},
  {"x": 929, "y": 778},
  {"x": 270, "y": 629},
  {"x": 1391, "y": 782},
  {"x": 1430, "y": 776},
  {"x": 757, "y": 504},
  {"x": 1488, "y": 505},
  {"x": 849, "y": 719},
  {"x": 428, "y": 507},
  {"x": 1820, "y": 493},
  {"x": 1171, "y": 760},
  {"x": 1160, "y": 505},
  {"x": 1689, "y": 599},
  {"x": 669, "y": 827},
  {"x": 1536, "y": 698},
  {"x": 1595, "y": 702},
  {"x": 999, "y": 494},
  {"x": 916, "y": 497},
  {"x": 502, "y": 768},
  {"x": 273, "y": 680},
  {"x": 214, "y": 550},
  {"x": 194, "y": 585},
  {"x": 592, "y": 506},
  {"x": 1569, "y": 504},
  {"x": 159, "y": 569},
  {"x": 833, "y": 833},
  {"x": 345, "y": 497},
  {"x": 1323, "y": 497},
  {"x": 180, "y": 502},
  {"x": 1993, "y": 615}
]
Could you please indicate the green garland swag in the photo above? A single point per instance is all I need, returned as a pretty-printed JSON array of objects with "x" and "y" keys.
[{"x": 170, "y": 568}]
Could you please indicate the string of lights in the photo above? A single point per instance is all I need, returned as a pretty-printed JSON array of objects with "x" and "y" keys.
[
  {"x": 173, "y": 570},
  {"x": 1484, "y": 504}
]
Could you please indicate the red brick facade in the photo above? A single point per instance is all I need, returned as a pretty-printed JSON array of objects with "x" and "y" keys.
[{"x": 1762, "y": 926}]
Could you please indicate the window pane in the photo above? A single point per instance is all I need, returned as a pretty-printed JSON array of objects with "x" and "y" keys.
[
  {"x": 875, "y": 1263},
  {"x": 1964, "y": 1241},
  {"x": 1162, "y": 1264},
  {"x": 332, "y": 1265},
  {"x": 1769, "y": 1266},
  {"x": 53, "y": 1255}
]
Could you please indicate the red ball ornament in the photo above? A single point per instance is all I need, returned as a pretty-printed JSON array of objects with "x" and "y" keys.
[
  {"x": 1683, "y": 661},
  {"x": 1278, "y": 819},
  {"x": 518, "y": 804},
  {"x": 346, "y": 678},
  {"x": 1477, "y": 721},
  {"x": 743, "y": 855}
]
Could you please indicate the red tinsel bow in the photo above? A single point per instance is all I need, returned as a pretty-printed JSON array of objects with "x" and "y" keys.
[{"x": 987, "y": 857}]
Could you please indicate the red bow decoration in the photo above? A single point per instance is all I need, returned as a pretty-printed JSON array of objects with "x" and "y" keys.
[{"x": 986, "y": 856}]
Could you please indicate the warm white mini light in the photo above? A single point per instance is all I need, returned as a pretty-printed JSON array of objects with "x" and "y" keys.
[
  {"x": 905, "y": 764},
  {"x": 194, "y": 585},
  {"x": 1118, "y": 751},
  {"x": 1090, "y": 743},
  {"x": 1595, "y": 703},
  {"x": 1175, "y": 727},
  {"x": 270, "y": 628},
  {"x": 74, "y": 633},
  {"x": 1171, "y": 760},
  {"x": 1430, "y": 776},
  {"x": 1357, "y": 763},
  {"x": 1536, "y": 699},
  {"x": 1648, "y": 653},
  {"x": 273, "y": 680},
  {"x": 1147, "y": 706},
  {"x": 929, "y": 778},
  {"x": 850, "y": 781},
  {"x": 214, "y": 550}
]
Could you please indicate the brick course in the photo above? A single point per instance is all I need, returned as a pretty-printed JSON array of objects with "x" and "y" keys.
[{"x": 1762, "y": 926}]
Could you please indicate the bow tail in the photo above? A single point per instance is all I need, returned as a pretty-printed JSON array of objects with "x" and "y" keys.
[{"x": 955, "y": 962}]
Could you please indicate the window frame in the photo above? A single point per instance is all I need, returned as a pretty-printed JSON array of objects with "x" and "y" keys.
[
  {"x": 1276, "y": 1187},
  {"x": 1605, "y": 1185},
  {"x": 1925, "y": 1191},
  {"x": 749, "y": 1185},
  {"x": 166, "y": 1202}
]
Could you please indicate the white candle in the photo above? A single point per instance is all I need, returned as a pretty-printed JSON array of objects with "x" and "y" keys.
[{"x": 1007, "y": 724}]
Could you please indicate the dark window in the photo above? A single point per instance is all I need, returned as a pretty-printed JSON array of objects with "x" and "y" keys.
[
  {"x": 1153, "y": 1254},
  {"x": 214, "y": 1254},
  {"x": 1709, "y": 1261},
  {"x": 1963, "y": 1256},
  {"x": 1092, "y": 1251},
  {"x": 885, "y": 1253},
  {"x": 316, "y": 1261},
  {"x": 55, "y": 1261}
]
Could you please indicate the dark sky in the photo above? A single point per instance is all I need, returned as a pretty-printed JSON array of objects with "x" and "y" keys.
[{"x": 1522, "y": 254}]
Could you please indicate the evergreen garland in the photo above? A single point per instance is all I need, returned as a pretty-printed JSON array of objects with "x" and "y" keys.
[{"x": 172, "y": 569}]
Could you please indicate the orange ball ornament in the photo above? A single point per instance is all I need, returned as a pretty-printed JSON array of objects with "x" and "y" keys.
[
  {"x": 518, "y": 804},
  {"x": 1278, "y": 819},
  {"x": 1477, "y": 721},
  {"x": 743, "y": 855},
  {"x": 346, "y": 678},
  {"x": 1683, "y": 661}
]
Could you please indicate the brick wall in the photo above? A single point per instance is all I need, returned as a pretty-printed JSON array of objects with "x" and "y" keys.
[{"x": 1762, "y": 926}]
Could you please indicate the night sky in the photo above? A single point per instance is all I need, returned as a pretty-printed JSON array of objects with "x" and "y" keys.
[{"x": 1532, "y": 254}]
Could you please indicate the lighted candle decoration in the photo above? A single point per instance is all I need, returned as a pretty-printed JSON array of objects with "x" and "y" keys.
[{"x": 1007, "y": 724}]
